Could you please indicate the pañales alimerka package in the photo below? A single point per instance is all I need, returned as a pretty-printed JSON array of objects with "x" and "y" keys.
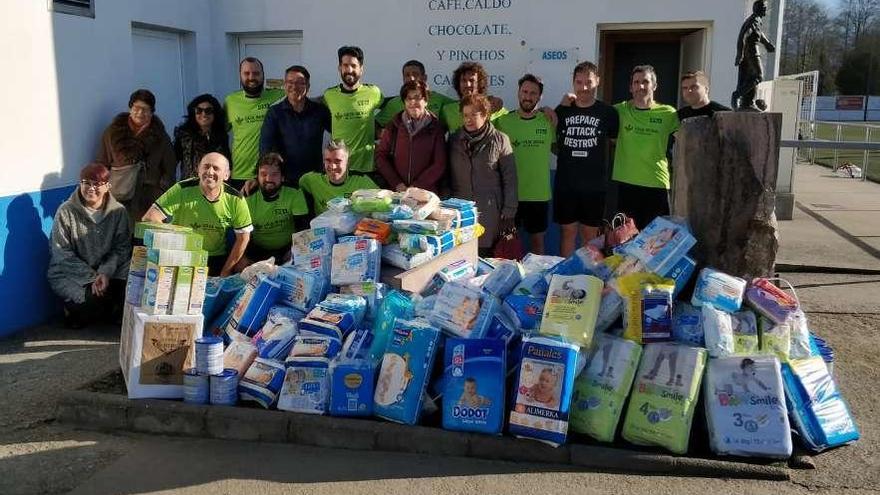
[
  {"x": 395, "y": 305},
  {"x": 253, "y": 306},
  {"x": 661, "y": 244},
  {"x": 631, "y": 288},
  {"x": 306, "y": 387},
  {"x": 473, "y": 397},
  {"x": 687, "y": 325},
  {"x": 405, "y": 371},
  {"x": 770, "y": 301},
  {"x": 355, "y": 261},
  {"x": 745, "y": 407},
  {"x": 262, "y": 382},
  {"x": 351, "y": 388},
  {"x": 817, "y": 409},
  {"x": 312, "y": 242},
  {"x": 571, "y": 308},
  {"x": 462, "y": 311},
  {"x": 299, "y": 289},
  {"x": 370, "y": 200},
  {"x": 601, "y": 389},
  {"x": 745, "y": 332},
  {"x": 718, "y": 331},
  {"x": 544, "y": 385},
  {"x": 664, "y": 395},
  {"x": 422, "y": 202},
  {"x": 525, "y": 312},
  {"x": 341, "y": 223},
  {"x": 721, "y": 290},
  {"x": 275, "y": 339},
  {"x": 457, "y": 270},
  {"x": 507, "y": 275}
]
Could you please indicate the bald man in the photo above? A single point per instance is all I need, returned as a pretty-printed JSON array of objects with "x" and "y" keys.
[{"x": 210, "y": 207}]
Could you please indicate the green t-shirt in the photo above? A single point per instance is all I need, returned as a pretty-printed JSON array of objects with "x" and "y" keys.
[
  {"x": 640, "y": 157},
  {"x": 321, "y": 190},
  {"x": 436, "y": 101},
  {"x": 450, "y": 115},
  {"x": 187, "y": 206},
  {"x": 274, "y": 219},
  {"x": 532, "y": 139},
  {"x": 245, "y": 118},
  {"x": 353, "y": 120}
]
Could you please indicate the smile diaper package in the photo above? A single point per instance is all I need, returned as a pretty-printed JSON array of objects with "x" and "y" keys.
[
  {"x": 306, "y": 386},
  {"x": 405, "y": 370},
  {"x": 601, "y": 389},
  {"x": 355, "y": 259},
  {"x": 300, "y": 289},
  {"x": 745, "y": 407},
  {"x": 312, "y": 242},
  {"x": 571, "y": 308},
  {"x": 723, "y": 291},
  {"x": 506, "y": 275},
  {"x": 817, "y": 409},
  {"x": 544, "y": 384},
  {"x": 664, "y": 395},
  {"x": 262, "y": 382},
  {"x": 463, "y": 311},
  {"x": 473, "y": 397},
  {"x": 660, "y": 245},
  {"x": 351, "y": 388}
]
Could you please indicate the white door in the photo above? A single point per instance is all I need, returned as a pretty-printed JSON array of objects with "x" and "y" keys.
[
  {"x": 276, "y": 52},
  {"x": 159, "y": 68}
]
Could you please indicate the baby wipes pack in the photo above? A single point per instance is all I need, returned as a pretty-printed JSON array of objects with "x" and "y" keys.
[
  {"x": 506, "y": 275},
  {"x": 603, "y": 386},
  {"x": 721, "y": 290},
  {"x": 542, "y": 398},
  {"x": 355, "y": 260},
  {"x": 370, "y": 200},
  {"x": 463, "y": 311},
  {"x": 351, "y": 388},
  {"x": 571, "y": 308},
  {"x": 660, "y": 245},
  {"x": 745, "y": 407},
  {"x": 405, "y": 371},
  {"x": 473, "y": 397},
  {"x": 770, "y": 301},
  {"x": 664, "y": 395},
  {"x": 427, "y": 227},
  {"x": 262, "y": 382},
  {"x": 306, "y": 386},
  {"x": 312, "y": 242}
]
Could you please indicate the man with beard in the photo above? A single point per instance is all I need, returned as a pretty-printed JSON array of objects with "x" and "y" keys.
[
  {"x": 245, "y": 111},
  {"x": 210, "y": 207},
  {"x": 335, "y": 182},
  {"x": 468, "y": 79},
  {"x": 641, "y": 168},
  {"x": 277, "y": 212},
  {"x": 353, "y": 105},
  {"x": 413, "y": 70},
  {"x": 295, "y": 126},
  {"x": 532, "y": 136},
  {"x": 695, "y": 92},
  {"x": 585, "y": 127}
]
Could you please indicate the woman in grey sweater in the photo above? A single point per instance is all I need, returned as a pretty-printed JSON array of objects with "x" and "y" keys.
[{"x": 91, "y": 250}]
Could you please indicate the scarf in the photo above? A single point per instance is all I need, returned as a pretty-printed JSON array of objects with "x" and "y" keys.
[
  {"x": 415, "y": 125},
  {"x": 473, "y": 141},
  {"x": 134, "y": 127}
]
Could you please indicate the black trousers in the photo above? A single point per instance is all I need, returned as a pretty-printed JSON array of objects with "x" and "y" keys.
[
  {"x": 97, "y": 309},
  {"x": 641, "y": 203}
]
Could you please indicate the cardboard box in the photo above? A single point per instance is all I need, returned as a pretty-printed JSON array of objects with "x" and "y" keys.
[
  {"x": 184, "y": 241},
  {"x": 176, "y": 257},
  {"x": 158, "y": 289},
  {"x": 182, "y": 287},
  {"x": 197, "y": 292}
]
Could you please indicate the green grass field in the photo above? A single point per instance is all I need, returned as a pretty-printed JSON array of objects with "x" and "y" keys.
[{"x": 854, "y": 131}]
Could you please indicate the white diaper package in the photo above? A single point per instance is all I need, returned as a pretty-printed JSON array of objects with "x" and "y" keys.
[
  {"x": 610, "y": 308},
  {"x": 800, "y": 335},
  {"x": 427, "y": 227},
  {"x": 322, "y": 346},
  {"x": 718, "y": 332},
  {"x": 312, "y": 242},
  {"x": 745, "y": 407},
  {"x": 394, "y": 255},
  {"x": 457, "y": 270},
  {"x": 775, "y": 339},
  {"x": 306, "y": 387},
  {"x": 274, "y": 340},
  {"x": 532, "y": 263},
  {"x": 721, "y": 290},
  {"x": 239, "y": 356},
  {"x": 355, "y": 261},
  {"x": 507, "y": 275},
  {"x": 462, "y": 311},
  {"x": 745, "y": 332},
  {"x": 262, "y": 382},
  {"x": 341, "y": 223}
]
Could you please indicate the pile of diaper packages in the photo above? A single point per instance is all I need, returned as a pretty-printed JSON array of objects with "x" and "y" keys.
[{"x": 617, "y": 346}]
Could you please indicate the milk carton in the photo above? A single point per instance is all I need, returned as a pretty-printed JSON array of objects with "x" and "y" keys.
[{"x": 158, "y": 289}]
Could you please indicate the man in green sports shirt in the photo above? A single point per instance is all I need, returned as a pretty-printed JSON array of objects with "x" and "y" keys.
[
  {"x": 413, "y": 70},
  {"x": 641, "y": 169},
  {"x": 277, "y": 212},
  {"x": 210, "y": 207},
  {"x": 334, "y": 182},
  {"x": 245, "y": 111},
  {"x": 467, "y": 79},
  {"x": 353, "y": 105},
  {"x": 532, "y": 136}
]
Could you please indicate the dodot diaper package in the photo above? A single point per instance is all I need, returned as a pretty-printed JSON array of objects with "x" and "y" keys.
[
  {"x": 572, "y": 307},
  {"x": 473, "y": 398},
  {"x": 745, "y": 407},
  {"x": 462, "y": 311},
  {"x": 601, "y": 389},
  {"x": 405, "y": 371},
  {"x": 306, "y": 386},
  {"x": 355, "y": 260},
  {"x": 664, "y": 395},
  {"x": 542, "y": 397},
  {"x": 723, "y": 291}
]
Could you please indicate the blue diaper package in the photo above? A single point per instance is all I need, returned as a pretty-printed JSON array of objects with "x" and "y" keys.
[
  {"x": 502, "y": 328},
  {"x": 299, "y": 288},
  {"x": 253, "y": 305},
  {"x": 348, "y": 303},
  {"x": 586, "y": 260},
  {"x": 687, "y": 325},
  {"x": 328, "y": 321},
  {"x": 507, "y": 275},
  {"x": 525, "y": 312},
  {"x": 395, "y": 305},
  {"x": 463, "y": 311},
  {"x": 532, "y": 284},
  {"x": 405, "y": 371},
  {"x": 275, "y": 339},
  {"x": 458, "y": 204},
  {"x": 351, "y": 388},
  {"x": 473, "y": 398},
  {"x": 681, "y": 272},
  {"x": 314, "y": 346},
  {"x": 544, "y": 386},
  {"x": 262, "y": 382},
  {"x": 371, "y": 292},
  {"x": 219, "y": 291},
  {"x": 660, "y": 245}
]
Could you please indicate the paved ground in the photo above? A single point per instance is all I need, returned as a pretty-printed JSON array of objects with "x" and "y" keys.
[{"x": 39, "y": 456}]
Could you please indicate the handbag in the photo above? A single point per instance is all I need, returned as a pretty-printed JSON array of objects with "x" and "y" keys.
[
  {"x": 125, "y": 180},
  {"x": 508, "y": 245},
  {"x": 620, "y": 229}
]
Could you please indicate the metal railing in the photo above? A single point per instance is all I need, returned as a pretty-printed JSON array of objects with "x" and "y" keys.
[{"x": 835, "y": 144}]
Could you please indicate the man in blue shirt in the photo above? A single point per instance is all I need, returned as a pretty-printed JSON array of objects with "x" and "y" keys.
[{"x": 294, "y": 127}]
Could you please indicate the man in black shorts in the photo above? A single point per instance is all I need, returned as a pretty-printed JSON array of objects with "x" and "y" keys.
[{"x": 584, "y": 128}]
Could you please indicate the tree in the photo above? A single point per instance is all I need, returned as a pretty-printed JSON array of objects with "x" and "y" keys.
[{"x": 859, "y": 72}]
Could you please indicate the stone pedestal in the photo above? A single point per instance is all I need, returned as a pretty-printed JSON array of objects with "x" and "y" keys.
[{"x": 725, "y": 182}]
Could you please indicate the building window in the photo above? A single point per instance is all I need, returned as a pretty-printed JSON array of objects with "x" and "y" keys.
[{"x": 84, "y": 8}]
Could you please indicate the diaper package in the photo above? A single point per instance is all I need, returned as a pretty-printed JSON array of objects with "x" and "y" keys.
[
  {"x": 397, "y": 212},
  {"x": 422, "y": 202},
  {"x": 544, "y": 384},
  {"x": 355, "y": 260},
  {"x": 370, "y": 200},
  {"x": 507, "y": 275},
  {"x": 502, "y": 328},
  {"x": 745, "y": 332},
  {"x": 687, "y": 325},
  {"x": 341, "y": 223},
  {"x": 657, "y": 312},
  {"x": 660, "y": 245},
  {"x": 351, "y": 388},
  {"x": 281, "y": 312},
  {"x": 239, "y": 356},
  {"x": 586, "y": 260},
  {"x": 453, "y": 218},
  {"x": 473, "y": 397},
  {"x": 322, "y": 346},
  {"x": 817, "y": 409},
  {"x": 219, "y": 291},
  {"x": 253, "y": 305},
  {"x": 405, "y": 370},
  {"x": 312, "y": 242},
  {"x": 334, "y": 317},
  {"x": 664, "y": 395},
  {"x": 601, "y": 389},
  {"x": 427, "y": 227},
  {"x": 394, "y": 255},
  {"x": 532, "y": 262},
  {"x": 371, "y": 292},
  {"x": 681, "y": 272},
  {"x": 262, "y": 382},
  {"x": 610, "y": 307},
  {"x": 462, "y": 311},
  {"x": 457, "y": 270},
  {"x": 723, "y": 291},
  {"x": 770, "y": 301},
  {"x": 318, "y": 264},
  {"x": 745, "y": 407},
  {"x": 631, "y": 288},
  {"x": 275, "y": 339},
  {"x": 394, "y": 306},
  {"x": 532, "y": 284},
  {"x": 718, "y": 332},
  {"x": 300, "y": 289},
  {"x": 571, "y": 308},
  {"x": 775, "y": 339},
  {"x": 526, "y": 312},
  {"x": 306, "y": 387},
  {"x": 800, "y": 335},
  {"x": 376, "y": 229}
]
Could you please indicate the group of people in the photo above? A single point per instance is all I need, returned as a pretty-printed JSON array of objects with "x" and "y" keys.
[{"x": 248, "y": 192}]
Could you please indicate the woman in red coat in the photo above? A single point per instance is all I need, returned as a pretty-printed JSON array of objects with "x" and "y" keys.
[{"x": 412, "y": 148}]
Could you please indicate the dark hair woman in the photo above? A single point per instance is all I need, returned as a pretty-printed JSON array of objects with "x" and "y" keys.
[{"x": 203, "y": 131}]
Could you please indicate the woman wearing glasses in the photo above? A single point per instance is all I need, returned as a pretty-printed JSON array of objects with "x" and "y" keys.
[
  {"x": 91, "y": 249},
  {"x": 203, "y": 132},
  {"x": 138, "y": 152}
]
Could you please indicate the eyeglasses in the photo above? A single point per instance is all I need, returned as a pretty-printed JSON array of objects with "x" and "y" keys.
[
  {"x": 91, "y": 183},
  {"x": 205, "y": 110}
]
